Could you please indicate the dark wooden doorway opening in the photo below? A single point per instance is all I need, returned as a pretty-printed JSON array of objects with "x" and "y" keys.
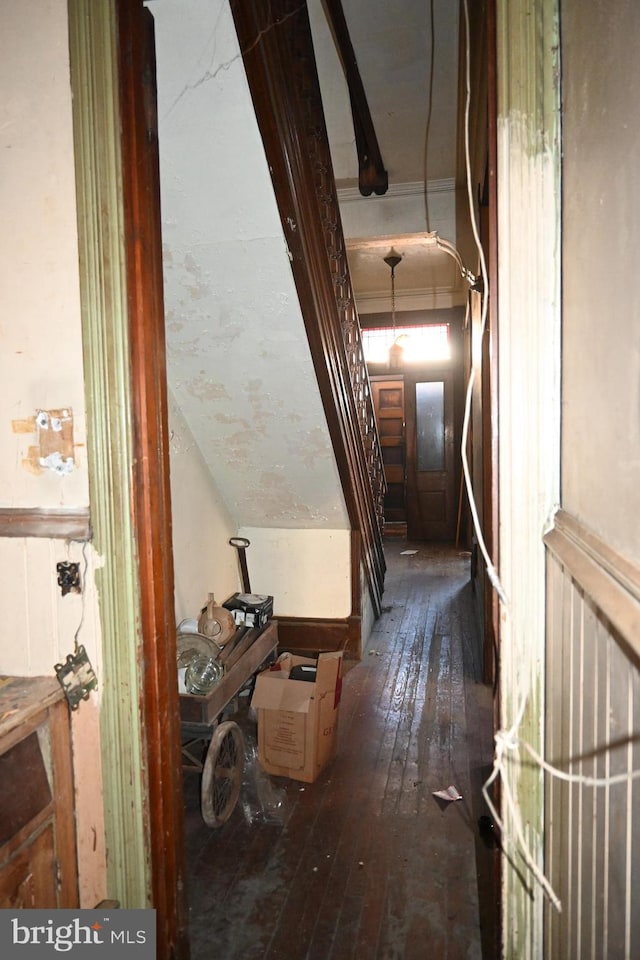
[{"x": 419, "y": 410}]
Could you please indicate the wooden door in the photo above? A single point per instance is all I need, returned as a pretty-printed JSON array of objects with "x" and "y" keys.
[
  {"x": 431, "y": 460},
  {"x": 388, "y": 402}
]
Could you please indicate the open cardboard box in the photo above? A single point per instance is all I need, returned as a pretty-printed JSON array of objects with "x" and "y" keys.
[{"x": 298, "y": 719}]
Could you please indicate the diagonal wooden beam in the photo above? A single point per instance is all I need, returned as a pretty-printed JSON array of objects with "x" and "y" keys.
[{"x": 372, "y": 176}]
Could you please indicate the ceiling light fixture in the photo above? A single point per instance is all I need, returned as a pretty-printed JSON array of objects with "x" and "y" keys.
[{"x": 392, "y": 260}]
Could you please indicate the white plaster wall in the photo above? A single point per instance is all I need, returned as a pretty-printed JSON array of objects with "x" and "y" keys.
[
  {"x": 203, "y": 560},
  {"x": 40, "y": 331},
  {"x": 308, "y": 572},
  {"x": 41, "y": 368},
  {"x": 39, "y": 624},
  {"x": 601, "y": 251},
  {"x": 41, "y": 356},
  {"x": 239, "y": 363}
]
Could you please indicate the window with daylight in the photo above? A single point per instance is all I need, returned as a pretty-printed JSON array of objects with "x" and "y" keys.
[{"x": 426, "y": 344}]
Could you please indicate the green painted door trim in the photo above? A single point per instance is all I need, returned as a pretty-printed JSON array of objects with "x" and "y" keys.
[
  {"x": 96, "y": 120},
  {"x": 529, "y": 307}
]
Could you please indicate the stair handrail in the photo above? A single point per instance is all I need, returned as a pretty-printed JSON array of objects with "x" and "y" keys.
[{"x": 277, "y": 50}]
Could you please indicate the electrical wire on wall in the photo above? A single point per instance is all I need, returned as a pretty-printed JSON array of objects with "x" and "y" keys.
[
  {"x": 427, "y": 129},
  {"x": 480, "y": 284},
  {"x": 83, "y": 582},
  {"x": 506, "y": 741}
]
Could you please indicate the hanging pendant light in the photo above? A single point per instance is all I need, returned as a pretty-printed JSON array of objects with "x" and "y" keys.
[{"x": 392, "y": 260}]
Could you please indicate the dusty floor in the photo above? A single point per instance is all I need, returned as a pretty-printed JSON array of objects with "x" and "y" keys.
[{"x": 366, "y": 863}]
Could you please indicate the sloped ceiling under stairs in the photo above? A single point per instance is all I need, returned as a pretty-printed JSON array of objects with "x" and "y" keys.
[{"x": 238, "y": 362}]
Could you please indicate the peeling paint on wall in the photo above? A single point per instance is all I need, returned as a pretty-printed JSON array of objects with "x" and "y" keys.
[
  {"x": 311, "y": 447},
  {"x": 230, "y": 418},
  {"x": 204, "y": 388},
  {"x": 24, "y": 426},
  {"x": 54, "y": 449},
  {"x": 239, "y": 363}
]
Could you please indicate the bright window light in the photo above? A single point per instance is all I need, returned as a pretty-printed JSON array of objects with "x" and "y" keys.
[{"x": 426, "y": 344}]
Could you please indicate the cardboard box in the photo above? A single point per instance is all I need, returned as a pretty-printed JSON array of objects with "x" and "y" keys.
[{"x": 298, "y": 719}]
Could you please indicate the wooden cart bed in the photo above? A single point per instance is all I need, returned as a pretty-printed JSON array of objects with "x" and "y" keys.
[{"x": 201, "y": 719}]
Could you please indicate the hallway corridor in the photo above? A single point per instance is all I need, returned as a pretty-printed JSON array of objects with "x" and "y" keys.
[{"x": 366, "y": 863}]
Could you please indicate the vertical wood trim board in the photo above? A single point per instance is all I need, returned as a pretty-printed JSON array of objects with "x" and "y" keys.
[
  {"x": 96, "y": 119},
  {"x": 592, "y": 834},
  {"x": 151, "y": 503},
  {"x": 529, "y": 303}
]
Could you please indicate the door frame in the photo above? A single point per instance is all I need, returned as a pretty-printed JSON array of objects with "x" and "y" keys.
[
  {"x": 431, "y": 374},
  {"x": 125, "y": 388}
]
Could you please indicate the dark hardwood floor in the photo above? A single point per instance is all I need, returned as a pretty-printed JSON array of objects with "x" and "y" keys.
[{"x": 366, "y": 863}]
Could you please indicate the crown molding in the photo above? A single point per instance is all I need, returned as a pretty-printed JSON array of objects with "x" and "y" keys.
[{"x": 429, "y": 298}]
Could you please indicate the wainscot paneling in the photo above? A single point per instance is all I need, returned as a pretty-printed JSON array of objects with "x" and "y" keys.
[{"x": 593, "y": 730}]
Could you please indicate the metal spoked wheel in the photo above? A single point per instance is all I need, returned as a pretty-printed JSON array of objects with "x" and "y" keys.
[{"x": 222, "y": 774}]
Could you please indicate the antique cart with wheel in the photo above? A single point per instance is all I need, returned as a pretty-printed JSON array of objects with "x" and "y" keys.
[{"x": 208, "y": 720}]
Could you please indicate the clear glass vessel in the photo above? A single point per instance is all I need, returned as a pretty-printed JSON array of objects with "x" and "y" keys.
[{"x": 202, "y": 674}]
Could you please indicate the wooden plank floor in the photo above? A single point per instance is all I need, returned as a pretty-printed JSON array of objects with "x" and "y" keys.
[{"x": 366, "y": 864}]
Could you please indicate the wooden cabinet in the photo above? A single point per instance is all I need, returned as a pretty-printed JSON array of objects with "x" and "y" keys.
[{"x": 38, "y": 864}]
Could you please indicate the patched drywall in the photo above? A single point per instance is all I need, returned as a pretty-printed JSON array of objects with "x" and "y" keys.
[{"x": 239, "y": 363}]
